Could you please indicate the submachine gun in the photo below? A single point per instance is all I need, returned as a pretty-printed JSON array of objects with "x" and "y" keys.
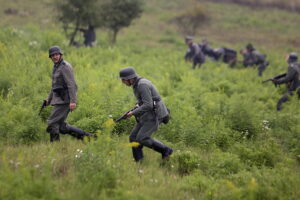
[
  {"x": 274, "y": 78},
  {"x": 124, "y": 116}
]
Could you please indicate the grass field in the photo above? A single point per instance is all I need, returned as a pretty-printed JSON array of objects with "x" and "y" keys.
[{"x": 229, "y": 142}]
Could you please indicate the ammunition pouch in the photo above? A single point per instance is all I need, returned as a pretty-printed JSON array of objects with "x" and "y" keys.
[
  {"x": 165, "y": 119},
  {"x": 60, "y": 91}
]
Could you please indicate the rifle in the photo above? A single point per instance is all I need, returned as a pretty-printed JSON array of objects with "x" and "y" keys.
[
  {"x": 124, "y": 116},
  {"x": 43, "y": 106},
  {"x": 275, "y": 78}
]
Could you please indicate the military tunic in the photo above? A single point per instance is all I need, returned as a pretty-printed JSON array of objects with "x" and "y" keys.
[{"x": 149, "y": 113}]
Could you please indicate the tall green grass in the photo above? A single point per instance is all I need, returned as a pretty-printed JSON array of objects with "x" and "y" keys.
[{"x": 228, "y": 140}]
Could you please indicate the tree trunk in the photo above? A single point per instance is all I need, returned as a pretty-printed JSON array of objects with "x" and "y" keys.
[
  {"x": 74, "y": 33},
  {"x": 114, "y": 36}
]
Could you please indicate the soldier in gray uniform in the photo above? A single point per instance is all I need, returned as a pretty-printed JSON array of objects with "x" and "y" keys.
[
  {"x": 292, "y": 78},
  {"x": 150, "y": 112},
  {"x": 253, "y": 57},
  {"x": 194, "y": 53},
  {"x": 89, "y": 36},
  {"x": 227, "y": 55},
  {"x": 62, "y": 97}
]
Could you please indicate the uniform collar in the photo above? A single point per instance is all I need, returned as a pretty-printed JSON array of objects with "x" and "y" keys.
[
  {"x": 138, "y": 78},
  {"x": 58, "y": 64}
]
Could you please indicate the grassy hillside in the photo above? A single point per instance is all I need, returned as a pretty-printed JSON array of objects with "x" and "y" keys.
[{"x": 228, "y": 140}]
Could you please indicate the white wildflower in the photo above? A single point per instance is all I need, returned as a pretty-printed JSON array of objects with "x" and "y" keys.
[
  {"x": 33, "y": 43},
  {"x": 36, "y": 166}
]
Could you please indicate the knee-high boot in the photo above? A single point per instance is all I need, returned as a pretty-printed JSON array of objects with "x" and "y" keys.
[
  {"x": 78, "y": 133},
  {"x": 161, "y": 148},
  {"x": 137, "y": 153}
]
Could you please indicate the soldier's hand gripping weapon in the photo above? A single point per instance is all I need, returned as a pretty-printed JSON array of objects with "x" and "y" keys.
[
  {"x": 275, "y": 78},
  {"x": 124, "y": 116},
  {"x": 43, "y": 106}
]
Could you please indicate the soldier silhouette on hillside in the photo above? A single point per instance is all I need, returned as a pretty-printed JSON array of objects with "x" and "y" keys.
[
  {"x": 89, "y": 36},
  {"x": 194, "y": 53},
  {"x": 227, "y": 55},
  {"x": 292, "y": 79},
  {"x": 252, "y": 57}
]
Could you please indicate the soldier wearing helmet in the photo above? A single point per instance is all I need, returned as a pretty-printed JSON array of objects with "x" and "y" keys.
[
  {"x": 63, "y": 97},
  {"x": 252, "y": 57},
  {"x": 89, "y": 36},
  {"x": 292, "y": 78},
  {"x": 149, "y": 112},
  {"x": 194, "y": 53}
]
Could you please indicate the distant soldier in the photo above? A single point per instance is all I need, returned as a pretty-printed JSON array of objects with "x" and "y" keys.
[
  {"x": 292, "y": 79},
  {"x": 150, "y": 111},
  {"x": 227, "y": 55},
  {"x": 62, "y": 97},
  {"x": 253, "y": 57},
  {"x": 89, "y": 36},
  {"x": 194, "y": 53},
  {"x": 208, "y": 51}
]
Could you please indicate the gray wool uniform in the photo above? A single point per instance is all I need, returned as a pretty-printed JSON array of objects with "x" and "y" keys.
[
  {"x": 256, "y": 58},
  {"x": 149, "y": 113},
  {"x": 63, "y": 92},
  {"x": 293, "y": 79},
  {"x": 195, "y": 54}
]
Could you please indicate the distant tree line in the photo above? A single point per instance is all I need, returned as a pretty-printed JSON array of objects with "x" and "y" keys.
[
  {"x": 289, "y": 5},
  {"x": 109, "y": 14}
]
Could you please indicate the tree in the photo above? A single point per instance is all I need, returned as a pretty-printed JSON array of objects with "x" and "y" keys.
[
  {"x": 190, "y": 20},
  {"x": 75, "y": 14},
  {"x": 117, "y": 14}
]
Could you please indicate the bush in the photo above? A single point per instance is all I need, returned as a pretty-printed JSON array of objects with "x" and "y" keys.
[{"x": 187, "y": 162}]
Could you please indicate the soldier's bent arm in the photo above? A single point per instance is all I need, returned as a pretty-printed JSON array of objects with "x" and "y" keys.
[
  {"x": 147, "y": 101},
  {"x": 289, "y": 76},
  {"x": 70, "y": 81}
]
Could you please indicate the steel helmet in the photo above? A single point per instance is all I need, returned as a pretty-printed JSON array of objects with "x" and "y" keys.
[
  {"x": 127, "y": 73},
  {"x": 293, "y": 56},
  {"x": 54, "y": 50}
]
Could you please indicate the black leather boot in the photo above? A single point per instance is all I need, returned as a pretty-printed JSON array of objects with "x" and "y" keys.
[
  {"x": 78, "y": 133},
  {"x": 54, "y": 137},
  {"x": 161, "y": 148},
  {"x": 137, "y": 153}
]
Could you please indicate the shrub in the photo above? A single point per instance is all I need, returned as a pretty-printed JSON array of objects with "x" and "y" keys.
[{"x": 187, "y": 162}]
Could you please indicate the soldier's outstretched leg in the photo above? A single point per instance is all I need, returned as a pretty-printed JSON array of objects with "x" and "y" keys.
[
  {"x": 194, "y": 65},
  {"x": 54, "y": 133},
  {"x": 54, "y": 137},
  {"x": 137, "y": 153},
  {"x": 57, "y": 117},
  {"x": 261, "y": 69},
  {"x": 161, "y": 148},
  {"x": 283, "y": 99},
  {"x": 77, "y": 132}
]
